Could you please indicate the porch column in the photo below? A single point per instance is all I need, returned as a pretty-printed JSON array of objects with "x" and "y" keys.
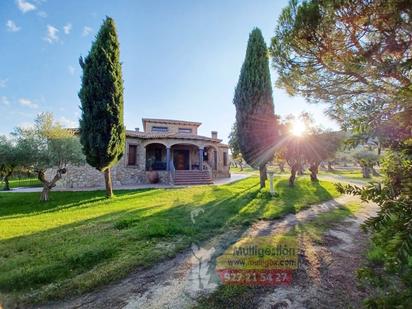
[
  {"x": 167, "y": 158},
  {"x": 200, "y": 158}
]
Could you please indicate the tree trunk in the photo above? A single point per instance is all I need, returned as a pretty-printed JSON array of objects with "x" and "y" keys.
[
  {"x": 301, "y": 169},
  {"x": 314, "y": 168},
  {"x": 263, "y": 176},
  {"x": 44, "y": 197},
  {"x": 282, "y": 167},
  {"x": 48, "y": 185},
  {"x": 292, "y": 177},
  {"x": 6, "y": 181},
  {"x": 108, "y": 183},
  {"x": 366, "y": 172},
  {"x": 330, "y": 168}
]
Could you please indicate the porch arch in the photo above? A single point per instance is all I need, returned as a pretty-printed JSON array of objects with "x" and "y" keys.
[
  {"x": 146, "y": 143},
  {"x": 186, "y": 155},
  {"x": 156, "y": 156}
]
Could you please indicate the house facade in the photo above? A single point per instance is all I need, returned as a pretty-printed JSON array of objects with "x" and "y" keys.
[{"x": 165, "y": 151}]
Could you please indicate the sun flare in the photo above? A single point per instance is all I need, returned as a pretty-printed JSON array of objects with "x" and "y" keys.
[{"x": 298, "y": 128}]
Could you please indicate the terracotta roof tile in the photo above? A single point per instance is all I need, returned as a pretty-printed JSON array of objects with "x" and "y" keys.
[{"x": 149, "y": 135}]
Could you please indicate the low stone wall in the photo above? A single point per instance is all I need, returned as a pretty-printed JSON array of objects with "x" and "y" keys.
[{"x": 86, "y": 176}]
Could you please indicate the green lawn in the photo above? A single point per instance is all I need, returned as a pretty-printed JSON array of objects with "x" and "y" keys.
[
  {"x": 351, "y": 175},
  {"x": 24, "y": 182},
  {"x": 245, "y": 170},
  {"x": 80, "y": 240}
]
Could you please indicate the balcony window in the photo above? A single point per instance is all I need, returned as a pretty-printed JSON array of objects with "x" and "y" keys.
[
  {"x": 160, "y": 129},
  {"x": 185, "y": 130}
]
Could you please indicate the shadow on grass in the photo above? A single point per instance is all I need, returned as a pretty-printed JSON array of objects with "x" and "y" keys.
[
  {"x": 36, "y": 260},
  {"x": 74, "y": 258},
  {"x": 31, "y": 205}
]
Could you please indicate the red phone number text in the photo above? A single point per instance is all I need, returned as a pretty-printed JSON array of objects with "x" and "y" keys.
[{"x": 255, "y": 277}]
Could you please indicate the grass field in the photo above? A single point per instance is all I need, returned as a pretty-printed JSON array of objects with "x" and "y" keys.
[
  {"x": 348, "y": 174},
  {"x": 351, "y": 175},
  {"x": 24, "y": 182},
  {"x": 245, "y": 170},
  {"x": 80, "y": 240}
]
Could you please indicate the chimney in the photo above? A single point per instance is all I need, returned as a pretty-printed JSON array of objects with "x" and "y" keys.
[
  {"x": 137, "y": 129},
  {"x": 214, "y": 134}
]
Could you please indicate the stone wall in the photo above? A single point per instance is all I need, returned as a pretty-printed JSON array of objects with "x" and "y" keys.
[{"x": 86, "y": 176}]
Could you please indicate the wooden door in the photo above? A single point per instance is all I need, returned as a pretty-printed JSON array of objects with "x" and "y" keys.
[{"x": 181, "y": 159}]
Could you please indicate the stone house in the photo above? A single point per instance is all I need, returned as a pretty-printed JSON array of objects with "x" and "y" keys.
[{"x": 170, "y": 149}]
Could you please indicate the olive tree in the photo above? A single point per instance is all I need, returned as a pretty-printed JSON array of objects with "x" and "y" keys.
[
  {"x": 48, "y": 146},
  {"x": 367, "y": 160},
  {"x": 10, "y": 159}
]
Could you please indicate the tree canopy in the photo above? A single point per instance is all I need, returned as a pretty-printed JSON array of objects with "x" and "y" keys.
[
  {"x": 102, "y": 132},
  {"x": 47, "y": 146},
  {"x": 354, "y": 55},
  {"x": 357, "y": 57},
  {"x": 234, "y": 142},
  {"x": 10, "y": 159},
  {"x": 255, "y": 119}
]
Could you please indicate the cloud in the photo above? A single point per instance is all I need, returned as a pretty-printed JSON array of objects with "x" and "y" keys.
[
  {"x": 25, "y": 6},
  {"x": 42, "y": 14},
  {"x": 67, "y": 28},
  {"x": 28, "y": 103},
  {"x": 3, "y": 82},
  {"x": 51, "y": 35},
  {"x": 67, "y": 123},
  {"x": 87, "y": 30},
  {"x": 71, "y": 69},
  {"x": 4, "y": 100},
  {"x": 11, "y": 26}
]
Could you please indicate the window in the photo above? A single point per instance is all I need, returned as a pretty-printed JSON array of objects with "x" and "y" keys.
[
  {"x": 225, "y": 159},
  {"x": 185, "y": 130},
  {"x": 160, "y": 129},
  {"x": 132, "y": 154}
]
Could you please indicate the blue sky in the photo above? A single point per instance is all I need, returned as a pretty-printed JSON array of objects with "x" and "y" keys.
[{"x": 181, "y": 59}]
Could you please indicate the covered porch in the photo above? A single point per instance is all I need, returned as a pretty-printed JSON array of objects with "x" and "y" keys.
[{"x": 180, "y": 156}]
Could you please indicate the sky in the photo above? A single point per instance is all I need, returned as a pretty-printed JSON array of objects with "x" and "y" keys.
[{"x": 180, "y": 59}]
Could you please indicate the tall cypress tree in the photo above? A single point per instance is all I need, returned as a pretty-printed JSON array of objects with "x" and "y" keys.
[
  {"x": 256, "y": 122},
  {"x": 102, "y": 132}
]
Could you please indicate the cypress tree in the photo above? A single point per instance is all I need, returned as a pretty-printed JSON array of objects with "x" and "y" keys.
[
  {"x": 102, "y": 132},
  {"x": 256, "y": 122}
]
